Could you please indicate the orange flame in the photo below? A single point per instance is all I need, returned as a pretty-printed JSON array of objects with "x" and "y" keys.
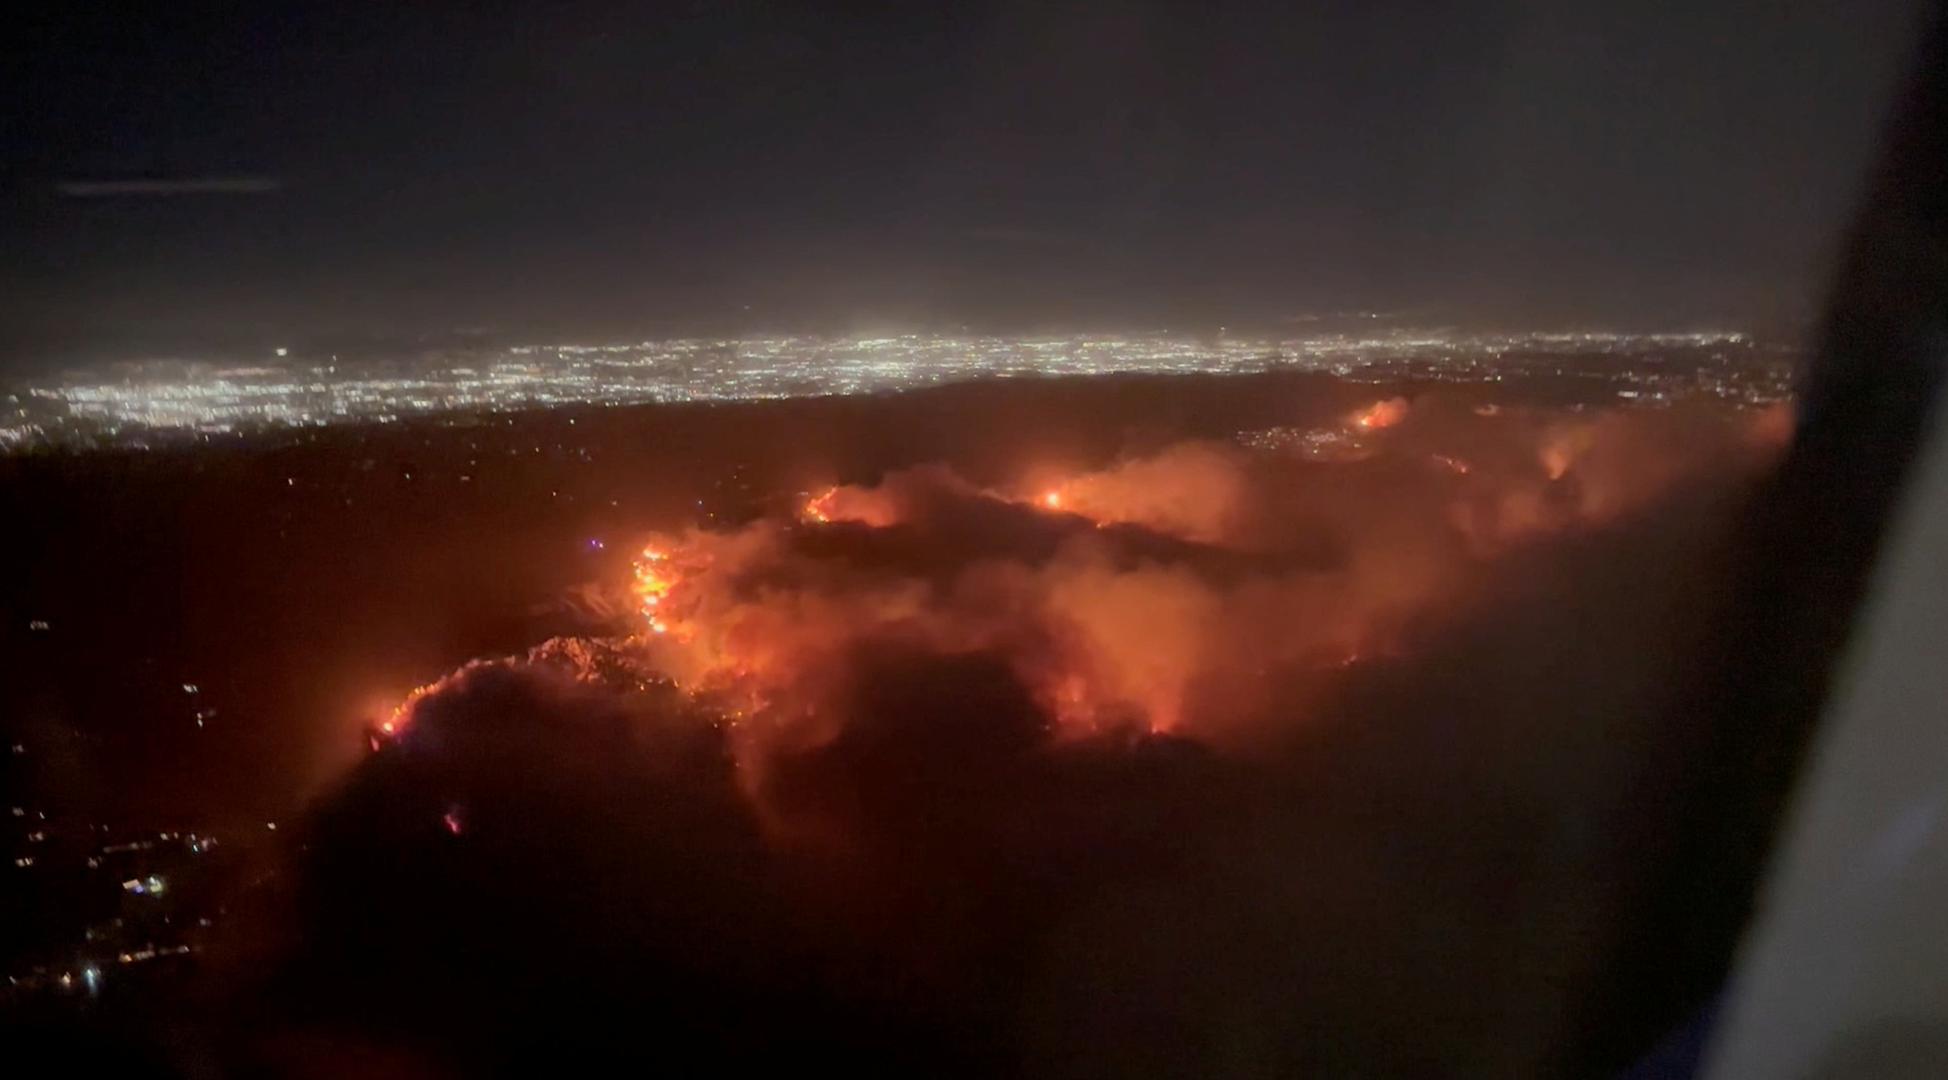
[
  {"x": 1380, "y": 414},
  {"x": 818, "y": 508},
  {"x": 653, "y": 582},
  {"x": 1108, "y": 629},
  {"x": 397, "y": 721}
]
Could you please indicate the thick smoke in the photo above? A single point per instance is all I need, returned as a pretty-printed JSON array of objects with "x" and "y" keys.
[
  {"x": 1194, "y": 591},
  {"x": 1233, "y": 760}
]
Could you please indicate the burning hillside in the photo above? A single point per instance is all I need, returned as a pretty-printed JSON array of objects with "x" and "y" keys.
[{"x": 933, "y": 746}]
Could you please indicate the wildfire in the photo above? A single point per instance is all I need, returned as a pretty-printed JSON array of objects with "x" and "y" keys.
[
  {"x": 402, "y": 713},
  {"x": 1124, "y": 644},
  {"x": 400, "y": 718},
  {"x": 818, "y": 508},
  {"x": 660, "y": 574},
  {"x": 1562, "y": 448},
  {"x": 1204, "y": 602},
  {"x": 654, "y": 581},
  {"x": 1380, "y": 414}
]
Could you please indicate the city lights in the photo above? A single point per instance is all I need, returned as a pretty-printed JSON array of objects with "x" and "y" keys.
[{"x": 156, "y": 399}]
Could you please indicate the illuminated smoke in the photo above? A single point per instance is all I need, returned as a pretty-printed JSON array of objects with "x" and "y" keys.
[
  {"x": 1380, "y": 414},
  {"x": 931, "y": 755},
  {"x": 1205, "y": 589}
]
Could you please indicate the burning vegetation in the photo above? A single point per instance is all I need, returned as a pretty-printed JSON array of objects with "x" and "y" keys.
[{"x": 936, "y": 747}]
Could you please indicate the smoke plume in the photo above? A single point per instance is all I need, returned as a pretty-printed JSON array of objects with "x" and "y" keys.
[{"x": 1305, "y": 752}]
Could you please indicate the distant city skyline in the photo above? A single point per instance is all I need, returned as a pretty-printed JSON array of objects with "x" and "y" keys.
[{"x": 135, "y": 402}]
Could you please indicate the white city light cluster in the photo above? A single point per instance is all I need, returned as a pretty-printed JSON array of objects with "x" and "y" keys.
[{"x": 143, "y": 399}]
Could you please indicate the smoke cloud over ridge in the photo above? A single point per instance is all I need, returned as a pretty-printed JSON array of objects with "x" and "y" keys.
[{"x": 1234, "y": 758}]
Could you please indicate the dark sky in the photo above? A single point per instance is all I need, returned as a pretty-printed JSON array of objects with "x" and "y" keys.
[{"x": 589, "y": 169}]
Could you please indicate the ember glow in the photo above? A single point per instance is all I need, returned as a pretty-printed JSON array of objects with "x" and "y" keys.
[
  {"x": 1381, "y": 414},
  {"x": 396, "y": 721},
  {"x": 1212, "y": 591},
  {"x": 819, "y": 507},
  {"x": 654, "y": 579},
  {"x": 1204, "y": 590},
  {"x": 831, "y": 725}
]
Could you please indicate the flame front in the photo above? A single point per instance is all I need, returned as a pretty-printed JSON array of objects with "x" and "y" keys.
[
  {"x": 1189, "y": 591},
  {"x": 818, "y": 508},
  {"x": 654, "y": 580},
  {"x": 1380, "y": 414}
]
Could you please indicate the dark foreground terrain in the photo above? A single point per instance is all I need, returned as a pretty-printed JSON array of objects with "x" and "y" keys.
[{"x": 1425, "y": 876}]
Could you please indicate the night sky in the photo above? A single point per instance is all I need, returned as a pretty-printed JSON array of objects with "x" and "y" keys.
[{"x": 602, "y": 169}]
